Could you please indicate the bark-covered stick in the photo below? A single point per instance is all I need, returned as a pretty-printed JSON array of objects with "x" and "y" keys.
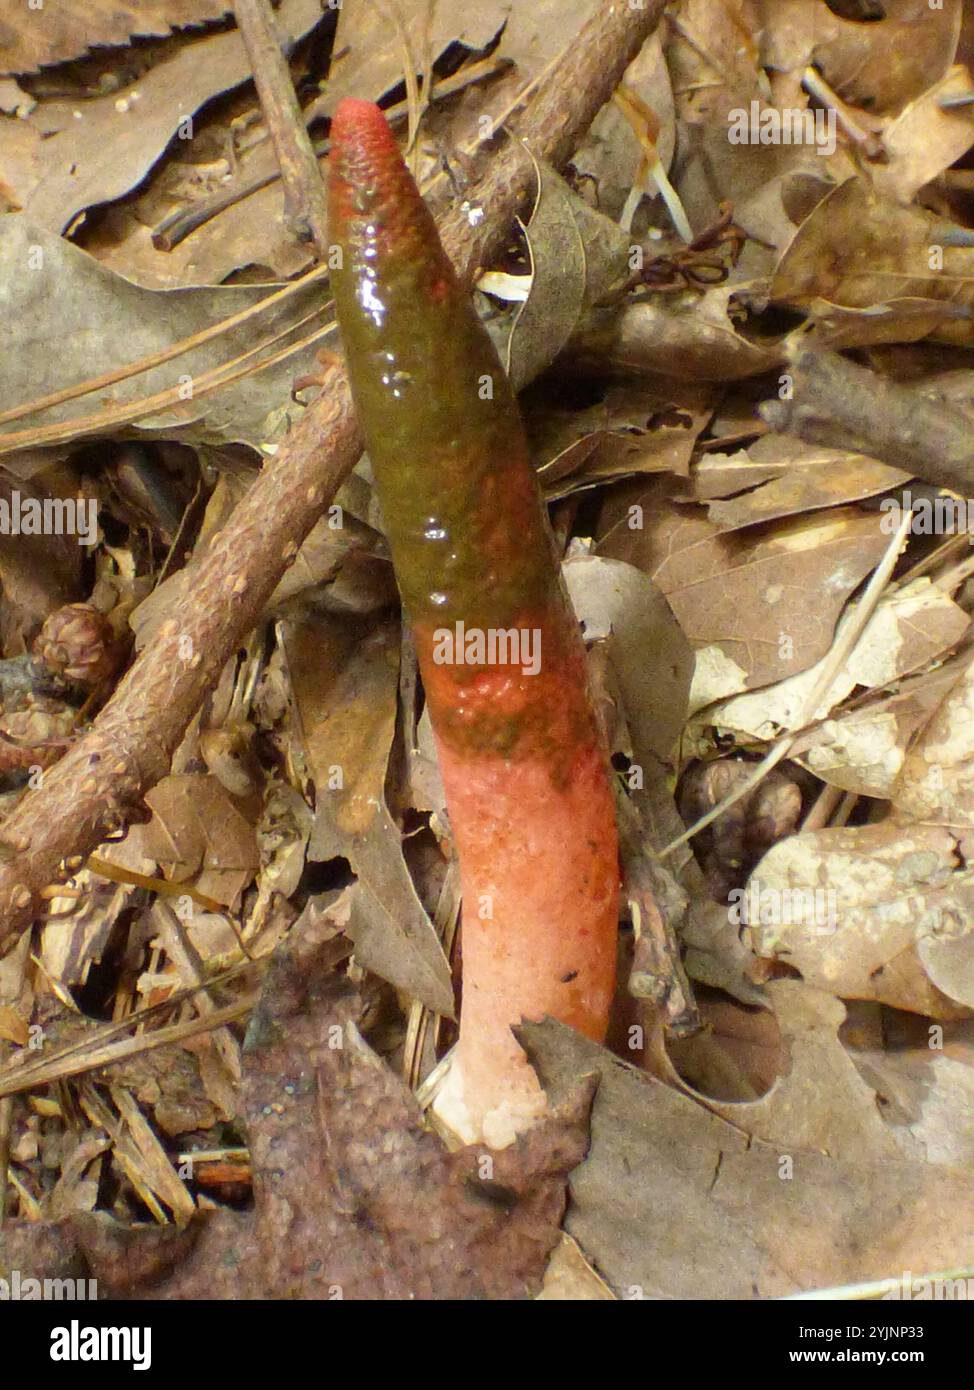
[
  {"x": 304, "y": 195},
  {"x": 839, "y": 403}
]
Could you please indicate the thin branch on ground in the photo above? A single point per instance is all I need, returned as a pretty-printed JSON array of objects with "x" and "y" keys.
[
  {"x": 838, "y": 403},
  {"x": 304, "y": 192}
]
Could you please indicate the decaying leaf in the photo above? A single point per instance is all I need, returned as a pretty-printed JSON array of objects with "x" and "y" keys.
[
  {"x": 79, "y": 320},
  {"x": 346, "y": 689},
  {"x": 860, "y": 250},
  {"x": 690, "y": 337},
  {"x": 820, "y": 1102},
  {"x": 354, "y": 1198},
  {"x": 100, "y": 155},
  {"x": 936, "y": 781},
  {"x": 199, "y": 835},
  {"x": 909, "y": 629},
  {"x": 577, "y": 257},
  {"x": 779, "y": 476},
  {"x": 853, "y": 909},
  {"x": 864, "y": 750},
  {"x": 673, "y": 1202},
  {"x": 706, "y": 574},
  {"x": 635, "y": 428},
  {"x": 72, "y": 30},
  {"x": 619, "y": 605},
  {"x": 927, "y": 1091}
]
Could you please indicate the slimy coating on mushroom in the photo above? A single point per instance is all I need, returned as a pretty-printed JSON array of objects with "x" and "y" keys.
[{"x": 500, "y": 652}]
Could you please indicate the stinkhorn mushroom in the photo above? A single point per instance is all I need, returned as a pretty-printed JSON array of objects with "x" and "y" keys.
[{"x": 499, "y": 648}]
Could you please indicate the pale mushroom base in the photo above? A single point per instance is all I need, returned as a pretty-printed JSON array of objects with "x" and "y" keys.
[{"x": 524, "y": 1104}]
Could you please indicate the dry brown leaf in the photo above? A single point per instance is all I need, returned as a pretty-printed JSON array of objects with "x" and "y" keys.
[
  {"x": 83, "y": 920},
  {"x": 228, "y": 156},
  {"x": 928, "y": 1097},
  {"x": 853, "y": 910},
  {"x": 70, "y": 319},
  {"x": 879, "y": 66},
  {"x": 864, "y": 751},
  {"x": 620, "y": 605},
  {"x": 719, "y": 64},
  {"x": 39, "y": 572},
  {"x": 77, "y": 1188},
  {"x": 911, "y": 48},
  {"x": 373, "y": 64},
  {"x": 570, "y": 1278},
  {"x": 780, "y": 476},
  {"x": 634, "y": 428},
  {"x": 344, "y": 680},
  {"x": 104, "y": 154},
  {"x": 860, "y": 250},
  {"x": 689, "y": 337},
  {"x": 937, "y": 781},
  {"x": 715, "y": 53},
  {"x": 74, "y": 27},
  {"x": 883, "y": 911},
  {"x": 13, "y": 1027},
  {"x": 345, "y": 689},
  {"x": 925, "y": 139},
  {"x": 577, "y": 255},
  {"x": 771, "y": 214},
  {"x": 737, "y": 1056},
  {"x": 198, "y": 834},
  {"x": 911, "y": 628},
  {"x": 820, "y": 1101},
  {"x": 746, "y": 596}
]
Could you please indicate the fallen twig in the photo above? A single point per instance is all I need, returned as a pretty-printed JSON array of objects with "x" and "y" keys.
[
  {"x": 836, "y": 402},
  {"x": 304, "y": 194}
]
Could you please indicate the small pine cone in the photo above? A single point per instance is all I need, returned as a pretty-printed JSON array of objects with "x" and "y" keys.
[{"x": 77, "y": 643}]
